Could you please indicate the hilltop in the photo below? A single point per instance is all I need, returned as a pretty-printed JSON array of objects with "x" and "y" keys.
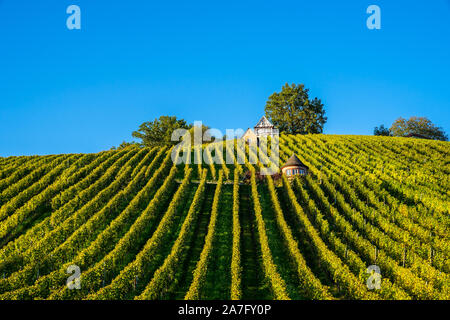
[{"x": 370, "y": 221}]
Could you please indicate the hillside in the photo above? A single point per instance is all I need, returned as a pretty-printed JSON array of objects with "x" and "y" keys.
[{"x": 139, "y": 228}]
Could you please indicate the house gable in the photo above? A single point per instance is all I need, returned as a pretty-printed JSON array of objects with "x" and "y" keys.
[
  {"x": 264, "y": 123},
  {"x": 249, "y": 136}
]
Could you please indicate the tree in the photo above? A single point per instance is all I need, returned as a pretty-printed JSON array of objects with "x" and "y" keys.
[
  {"x": 159, "y": 131},
  {"x": 419, "y": 126},
  {"x": 124, "y": 145},
  {"x": 381, "y": 131},
  {"x": 206, "y": 136},
  {"x": 293, "y": 112}
]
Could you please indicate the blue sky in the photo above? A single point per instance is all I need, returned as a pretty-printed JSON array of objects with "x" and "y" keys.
[{"x": 64, "y": 91}]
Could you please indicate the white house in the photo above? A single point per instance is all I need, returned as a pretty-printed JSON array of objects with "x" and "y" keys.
[{"x": 262, "y": 128}]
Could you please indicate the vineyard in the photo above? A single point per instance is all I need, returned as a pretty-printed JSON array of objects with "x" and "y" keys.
[{"x": 136, "y": 226}]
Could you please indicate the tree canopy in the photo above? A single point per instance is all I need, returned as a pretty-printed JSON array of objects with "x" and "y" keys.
[
  {"x": 292, "y": 111},
  {"x": 381, "y": 131},
  {"x": 124, "y": 145},
  {"x": 206, "y": 136},
  {"x": 159, "y": 131},
  {"x": 419, "y": 126}
]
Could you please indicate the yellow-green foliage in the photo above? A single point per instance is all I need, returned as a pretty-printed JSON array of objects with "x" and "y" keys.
[
  {"x": 129, "y": 219},
  {"x": 194, "y": 292},
  {"x": 277, "y": 283},
  {"x": 236, "y": 291}
]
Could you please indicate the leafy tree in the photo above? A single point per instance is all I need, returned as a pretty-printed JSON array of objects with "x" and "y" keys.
[
  {"x": 206, "y": 138},
  {"x": 292, "y": 111},
  {"x": 417, "y": 125},
  {"x": 381, "y": 131},
  {"x": 124, "y": 145},
  {"x": 159, "y": 131}
]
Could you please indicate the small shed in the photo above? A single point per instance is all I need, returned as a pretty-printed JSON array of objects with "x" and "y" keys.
[{"x": 294, "y": 166}]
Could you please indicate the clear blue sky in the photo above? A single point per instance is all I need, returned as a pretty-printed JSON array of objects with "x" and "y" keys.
[{"x": 67, "y": 91}]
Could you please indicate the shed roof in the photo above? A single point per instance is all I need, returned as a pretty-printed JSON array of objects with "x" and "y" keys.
[{"x": 294, "y": 161}]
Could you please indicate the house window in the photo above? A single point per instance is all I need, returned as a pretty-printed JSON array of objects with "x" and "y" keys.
[{"x": 288, "y": 172}]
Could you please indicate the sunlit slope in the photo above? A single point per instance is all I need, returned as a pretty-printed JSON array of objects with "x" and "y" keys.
[{"x": 138, "y": 227}]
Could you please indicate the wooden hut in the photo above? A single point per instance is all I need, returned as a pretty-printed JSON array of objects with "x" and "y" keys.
[{"x": 294, "y": 166}]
